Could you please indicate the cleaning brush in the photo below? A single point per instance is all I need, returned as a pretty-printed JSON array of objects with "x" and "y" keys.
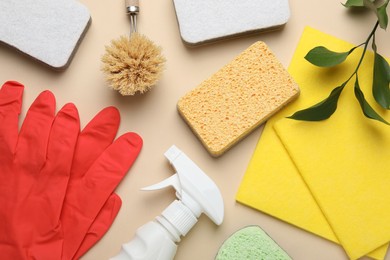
[{"x": 132, "y": 63}]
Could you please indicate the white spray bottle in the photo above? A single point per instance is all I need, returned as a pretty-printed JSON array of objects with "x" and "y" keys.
[{"x": 196, "y": 193}]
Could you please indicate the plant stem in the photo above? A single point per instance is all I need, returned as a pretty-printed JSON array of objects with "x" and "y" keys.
[{"x": 371, "y": 35}]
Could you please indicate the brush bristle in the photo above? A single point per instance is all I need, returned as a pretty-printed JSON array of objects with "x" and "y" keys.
[{"x": 132, "y": 64}]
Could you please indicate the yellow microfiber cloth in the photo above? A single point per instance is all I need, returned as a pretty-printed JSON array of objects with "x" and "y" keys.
[{"x": 343, "y": 193}]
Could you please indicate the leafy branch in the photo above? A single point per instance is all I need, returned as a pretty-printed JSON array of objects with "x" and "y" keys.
[{"x": 323, "y": 57}]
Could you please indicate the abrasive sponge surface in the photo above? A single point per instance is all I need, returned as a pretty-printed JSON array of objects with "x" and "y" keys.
[
  {"x": 251, "y": 243},
  {"x": 46, "y": 30},
  {"x": 236, "y": 99},
  {"x": 202, "y": 21}
]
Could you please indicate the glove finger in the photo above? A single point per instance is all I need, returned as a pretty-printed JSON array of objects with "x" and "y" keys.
[
  {"x": 34, "y": 134},
  {"x": 94, "y": 139},
  {"x": 10, "y": 106},
  {"x": 44, "y": 202},
  {"x": 85, "y": 197},
  {"x": 111, "y": 166},
  {"x": 53, "y": 180},
  {"x": 101, "y": 224}
]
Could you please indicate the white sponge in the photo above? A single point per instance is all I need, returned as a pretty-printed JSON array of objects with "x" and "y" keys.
[
  {"x": 47, "y": 30},
  {"x": 202, "y": 21}
]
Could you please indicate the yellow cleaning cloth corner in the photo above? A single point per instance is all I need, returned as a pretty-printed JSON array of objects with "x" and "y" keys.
[{"x": 271, "y": 168}]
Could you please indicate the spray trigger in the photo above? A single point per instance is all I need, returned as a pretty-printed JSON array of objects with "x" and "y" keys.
[{"x": 171, "y": 181}]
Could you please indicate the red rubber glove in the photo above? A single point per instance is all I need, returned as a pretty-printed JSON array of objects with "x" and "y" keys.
[
  {"x": 97, "y": 168},
  {"x": 99, "y": 165},
  {"x": 34, "y": 172},
  {"x": 101, "y": 224}
]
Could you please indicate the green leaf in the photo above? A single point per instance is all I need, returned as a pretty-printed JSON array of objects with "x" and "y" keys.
[
  {"x": 323, "y": 57},
  {"x": 373, "y": 4},
  {"x": 368, "y": 111},
  {"x": 379, "y": 8},
  {"x": 354, "y": 3},
  {"x": 381, "y": 80},
  {"x": 382, "y": 16},
  {"x": 322, "y": 110}
]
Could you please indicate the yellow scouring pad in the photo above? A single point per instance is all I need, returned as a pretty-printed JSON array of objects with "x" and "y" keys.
[{"x": 238, "y": 98}]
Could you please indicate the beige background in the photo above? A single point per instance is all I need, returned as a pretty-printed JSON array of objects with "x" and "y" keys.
[{"x": 155, "y": 118}]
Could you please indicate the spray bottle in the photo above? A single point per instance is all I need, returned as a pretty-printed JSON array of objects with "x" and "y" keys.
[{"x": 196, "y": 193}]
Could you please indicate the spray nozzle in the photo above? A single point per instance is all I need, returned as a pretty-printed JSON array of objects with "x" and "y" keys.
[
  {"x": 193, "y": 187},
  {"x": 196, "y": 194}
]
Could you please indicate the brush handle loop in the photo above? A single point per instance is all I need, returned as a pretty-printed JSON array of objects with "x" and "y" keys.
[{"x": 132, "y": 6}]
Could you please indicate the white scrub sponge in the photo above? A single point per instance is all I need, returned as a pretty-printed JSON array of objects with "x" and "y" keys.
[
  {"x": 202, "y": 21},
  {"x": 47, "y": 30}
]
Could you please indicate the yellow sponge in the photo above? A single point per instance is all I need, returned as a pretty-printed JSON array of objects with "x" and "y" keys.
[{"x": 238, "y": 98}]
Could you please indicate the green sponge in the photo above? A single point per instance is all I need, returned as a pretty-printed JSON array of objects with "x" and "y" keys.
[{"x": 251, "y": 243}]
